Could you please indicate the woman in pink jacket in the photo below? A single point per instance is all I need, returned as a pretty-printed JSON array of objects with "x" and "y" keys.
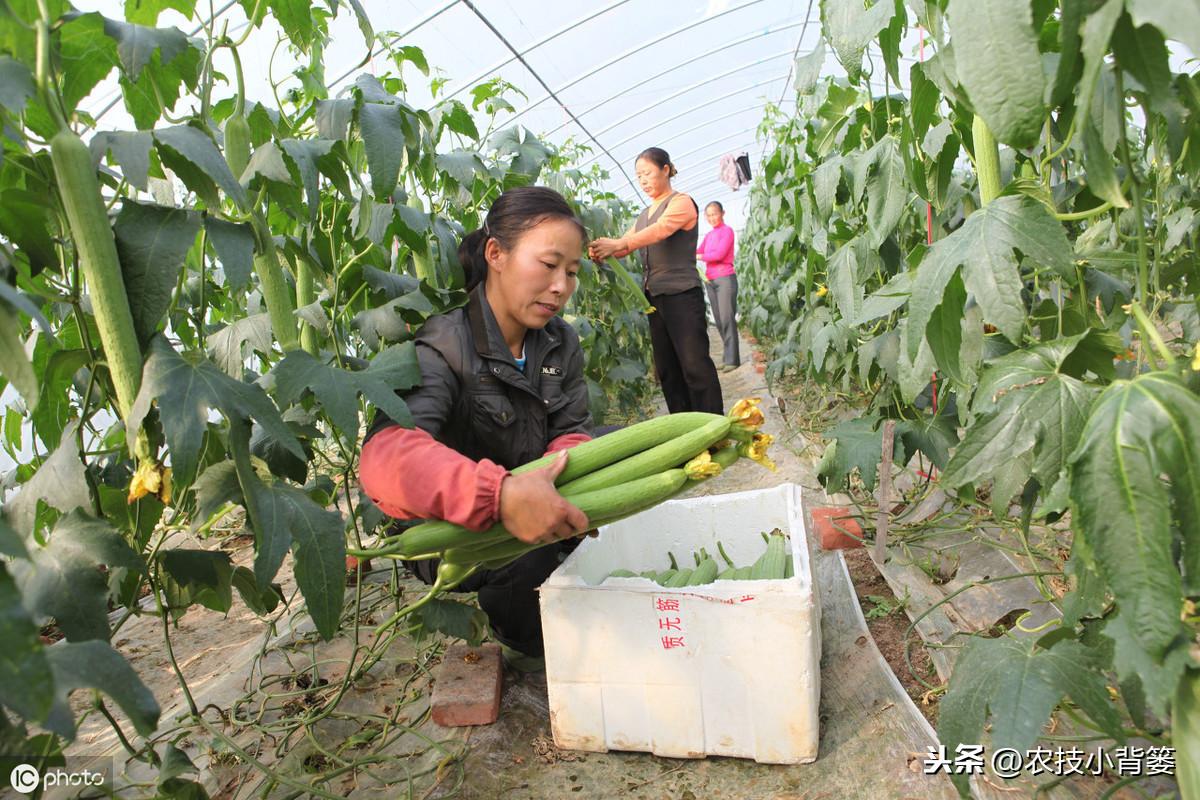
[{"x": 717, "y": 253}]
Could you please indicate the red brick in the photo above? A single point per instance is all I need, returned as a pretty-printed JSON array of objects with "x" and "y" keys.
[
  {"x": 836, "y": 528},
  {"x": 467, "y": 688}
]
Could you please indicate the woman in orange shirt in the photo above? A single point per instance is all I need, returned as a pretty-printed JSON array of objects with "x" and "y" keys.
[{"x": 666, "y": 234}]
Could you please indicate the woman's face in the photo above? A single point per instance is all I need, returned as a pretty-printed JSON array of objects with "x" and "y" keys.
[
  {"x": 714, "y": 215},
  {"x": 533, "y": 280},
  {"x": 655, "y": 180}
]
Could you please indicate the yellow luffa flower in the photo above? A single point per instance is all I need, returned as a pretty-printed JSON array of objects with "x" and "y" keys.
[
  {"x": 153, "y": 478},
  {"x": 756, "y": 450},
  {"x": 746, "y": 413},
  {"x": 702, "y": 466}
]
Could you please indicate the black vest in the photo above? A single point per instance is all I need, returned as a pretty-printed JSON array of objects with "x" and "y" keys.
[
  {"x": 670, "y": 265},
  {"x": 474, "y": 399}
]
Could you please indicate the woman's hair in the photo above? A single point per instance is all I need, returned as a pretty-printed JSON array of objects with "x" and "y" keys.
[
  {"x": 512, "y": 213},
  {"x": 712, "y": 203},
  {"x": 659, "y": 158}
]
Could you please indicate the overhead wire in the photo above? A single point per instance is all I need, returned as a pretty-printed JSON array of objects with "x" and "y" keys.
[{"x": 537, "y": 76}]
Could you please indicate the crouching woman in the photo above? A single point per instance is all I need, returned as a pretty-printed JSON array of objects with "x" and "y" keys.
[{"x": 502, "y": 384}]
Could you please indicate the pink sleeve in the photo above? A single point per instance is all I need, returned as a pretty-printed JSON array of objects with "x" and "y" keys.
[
  {"x": 720, "y": 248},
  {"x": 727, "y": 254},
  {"x": 448, "y": 485},
  {"x": 703, "y": 244}
]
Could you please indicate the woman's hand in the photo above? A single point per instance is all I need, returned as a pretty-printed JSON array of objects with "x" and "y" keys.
[
  {"x": 532, "y": 509},
  {"x": 602, "y": 248}
]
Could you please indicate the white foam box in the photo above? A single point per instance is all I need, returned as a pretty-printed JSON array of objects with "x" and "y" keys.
[{"x": 731, "y": 668}]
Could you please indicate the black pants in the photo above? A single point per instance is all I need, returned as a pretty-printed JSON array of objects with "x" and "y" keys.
[
  {"x": 679, "y": 335},
  {"x": 509, "y": 595}
]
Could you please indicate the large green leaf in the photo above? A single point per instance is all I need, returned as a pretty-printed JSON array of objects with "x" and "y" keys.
[
  {"x": 1020, "y": 685},
  {"x": 844, "y": 286},
  {"x": 1135, "y": 479},
  {"x": 452, "y": 618},
  {"x": 1176, "y": 19},
  {"x": 24, "y": 218},
  {"x": 137, "y": 44},
  {"x": 944, "y": 331},
  {"x": 825, "y": 180},
  {"x": 1002, "y": 70},
  {"x": 923, "y": 101},
  {"x": 886, "y": 299},
  {"x": 131, "y": 149},
  {"x": 808, "y": 69},
  {"x": 1157, "y": 677},
  {"x": 1067, "y": 71},
  {"x": 337, "y": 389},
  {"x": 984, "y": 247},
  {"x": 334, "y": 117},
  {"x": 1024, "y": 403},
  {"x": 197, "y": 576},
  {"x": 215, "y": 487},
  {"x": 160, "y": 84},
  {"x": 528, "y": 153},
  {"x": 14, "y": 364},
  {"x": 208, "y": 577},
  {"x": 228, "y": 345},
  {"x": 188, "y": 385},
  {"x": 306, "y": 154},
  {"x": 10, "y": 543},
  {"x": 95, "y": 665},
  {"x": 382, "y": 129},
  {"x": 88, "y": 54},
  {"x": 933, "y": 436},
  {"x": 887, "y": 190},
  {"x": 152, "y": 242},
  {"x": 194, "y": 157},
  {"x": 856, "y": 445},
  {"x": 1105, "y": 113},
  {"x": 60, "y": 482},
  {"x": 850, "y": 26},
  {"x": 462, "y": 165},
  {"x": 1143, "y": 54},
  {"x": 234, "y": 244},
  {"x": 25, "y": 681},
  {"x": 1095, "y": 34},
  {"x": 915, "y": 372},
  {"x": 295, "y": 17},
  {"x": 62, "y": 580},
  {"x": 16, "y": 84},
  {"x": 282, "y": 516},
  {"x": 145, "y": 12}
]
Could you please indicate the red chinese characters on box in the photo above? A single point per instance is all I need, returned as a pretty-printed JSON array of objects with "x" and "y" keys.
[{"x": 669, "y": 623}]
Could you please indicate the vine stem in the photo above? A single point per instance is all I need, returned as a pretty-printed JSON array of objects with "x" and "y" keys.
[
  {"x": 103, "y": 709},
  {"x": 278, "y": 777},
  {"x": 166, "y": 626},
  {"x": 43, "y": 77},
  {"x": 1136, "y": 190}
]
